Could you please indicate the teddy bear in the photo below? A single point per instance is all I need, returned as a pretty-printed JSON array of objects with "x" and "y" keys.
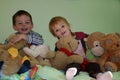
[
  {"x": 92, "y": 68},
  {"x": 59, "y": 59},
  {"x": 110, "y": 59},
  {"x": 93, "y": 43},
  {"x": 20, "y": 45},
  {"x": 21, "y": 63},
  {"x": 11, "y": 61},
  {"x": 38, "y": 53}
]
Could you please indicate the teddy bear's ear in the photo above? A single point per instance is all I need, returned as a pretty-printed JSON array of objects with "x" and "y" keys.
[
  {"x": 59, "y": 43},
  {"x": 118, "y": 34},
  {"x": 102, "y": 41}
]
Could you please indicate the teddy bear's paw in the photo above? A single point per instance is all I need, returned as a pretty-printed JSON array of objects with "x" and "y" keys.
[
  {"x": 75, "y": 58},
  {"x": 117, "y": 57},
  {"x": 105, "y": 76},
  {"x": 70, "y": 73},
  {"x": 109, "y": 66}
]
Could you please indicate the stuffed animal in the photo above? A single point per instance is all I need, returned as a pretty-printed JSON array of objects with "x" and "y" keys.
[
  {"x": 38, "y": 53},
  {"x": 36, "y": 50},
  {"x": 11, "y": 61},
  {"x": 93, "y": 68},
  {"x": 20, "y": 45},
  {"x": 93, "y": 42},
  {"x": 59, "y": 59},
  {"x": 110, "y": 60}
]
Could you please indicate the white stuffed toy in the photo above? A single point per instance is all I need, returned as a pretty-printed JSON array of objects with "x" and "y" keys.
[
  {"x": 38, "y": 52},
  {"x": 35, "y": 51}
]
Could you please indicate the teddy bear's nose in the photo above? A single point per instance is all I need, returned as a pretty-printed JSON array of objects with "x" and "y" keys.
[
  {"x": 96, "y": 45},
  {"x": 117, "y": 45}
]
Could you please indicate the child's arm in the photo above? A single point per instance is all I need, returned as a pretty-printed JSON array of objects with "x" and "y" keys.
[{"x": 33, "y": 38}]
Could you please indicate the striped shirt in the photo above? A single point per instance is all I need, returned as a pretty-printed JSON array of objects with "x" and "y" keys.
[{"x": 34, "y": 38}]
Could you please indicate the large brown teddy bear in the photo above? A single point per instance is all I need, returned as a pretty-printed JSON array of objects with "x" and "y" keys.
[
  {"x": 59, "y": 59},
  {"x": 11, "y": 57},
  {"x": 110, "y": 60},
  {"x": 12, "y": 61}
]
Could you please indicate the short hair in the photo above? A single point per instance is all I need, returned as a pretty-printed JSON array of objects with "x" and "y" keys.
[
  {"x": 19, "y": 13},
  {"x": 55, "y": 20}
]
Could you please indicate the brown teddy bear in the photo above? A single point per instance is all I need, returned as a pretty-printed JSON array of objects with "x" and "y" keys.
[
  {"x": 110, "y": 60},
  {"x": 59, "y": 59},
  {"x": 20, "y": 45},
  {"x": 94, "y": 43},
  {"x": 12, "y": 59}
]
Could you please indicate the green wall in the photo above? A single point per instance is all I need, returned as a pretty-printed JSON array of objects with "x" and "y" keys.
[{"x": 83, "y": 15}]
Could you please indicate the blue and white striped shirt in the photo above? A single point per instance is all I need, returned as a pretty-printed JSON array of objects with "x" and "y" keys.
[{"x": 34, "y": 38}]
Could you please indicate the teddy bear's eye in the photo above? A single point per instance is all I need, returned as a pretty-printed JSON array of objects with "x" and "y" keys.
[
  {"x": 96, "y": 43},
  {"x": 68, "y": 43},
  {"x": 117, "y": 45}
]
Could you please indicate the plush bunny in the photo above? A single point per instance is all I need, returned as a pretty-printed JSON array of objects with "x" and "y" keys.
[{"x": 38, "y": 52}]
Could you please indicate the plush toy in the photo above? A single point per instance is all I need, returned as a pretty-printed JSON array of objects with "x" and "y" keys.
[
  {"x": 93, "y": 42},
  {"x": 110, "y": 60},
  {"x": 37, "y": 50},
  {"x": 38, "y": 53},
  {"x": 20, "y": 45},
  {"x": 93, "y": 68},
  {"x": 59, "y": 59},
  {"x": 11, "y": 61}
]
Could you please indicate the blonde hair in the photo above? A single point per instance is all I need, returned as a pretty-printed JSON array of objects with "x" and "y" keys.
[{"x": 55, "y": 20}]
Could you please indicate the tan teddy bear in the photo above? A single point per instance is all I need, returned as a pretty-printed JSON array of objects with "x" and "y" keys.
[
  {"x": 11, "y": 59},
  {"x": 110, "y": 60},
  {"x": 59, "y": 59}
]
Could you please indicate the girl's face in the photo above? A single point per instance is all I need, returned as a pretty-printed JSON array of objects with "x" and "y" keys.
[
  {"x": 23, "y": 24},
  {"x": 61, "y": 29}
]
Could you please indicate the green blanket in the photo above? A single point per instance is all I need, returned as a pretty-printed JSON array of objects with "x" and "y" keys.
[{"x": 50, "y": 73}]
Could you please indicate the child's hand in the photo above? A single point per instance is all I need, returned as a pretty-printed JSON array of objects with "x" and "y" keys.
[{"x": 18, "y": 38}]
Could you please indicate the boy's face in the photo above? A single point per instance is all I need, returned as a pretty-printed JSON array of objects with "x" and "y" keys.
[
  {"x": 61, "y": 29},
  {"x": 23, "y": 24}
]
